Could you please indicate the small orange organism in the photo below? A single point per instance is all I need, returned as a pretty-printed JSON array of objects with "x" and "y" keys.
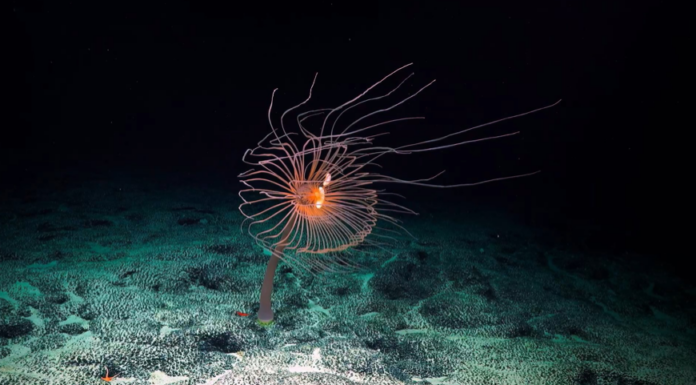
[{"x": 107, "y": 378}]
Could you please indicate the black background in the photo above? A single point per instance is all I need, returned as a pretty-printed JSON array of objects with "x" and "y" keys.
[{"x": 179, "y": 88}]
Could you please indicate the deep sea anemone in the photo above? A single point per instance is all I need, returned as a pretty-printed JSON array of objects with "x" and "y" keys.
[{"x": 314, "y": 195}]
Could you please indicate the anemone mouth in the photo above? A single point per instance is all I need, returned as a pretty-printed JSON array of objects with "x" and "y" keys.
[
  {"x": 309, "y": 193},
  {"x": 309, "y": 199},
  {"x": 314, "y": 194}
]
